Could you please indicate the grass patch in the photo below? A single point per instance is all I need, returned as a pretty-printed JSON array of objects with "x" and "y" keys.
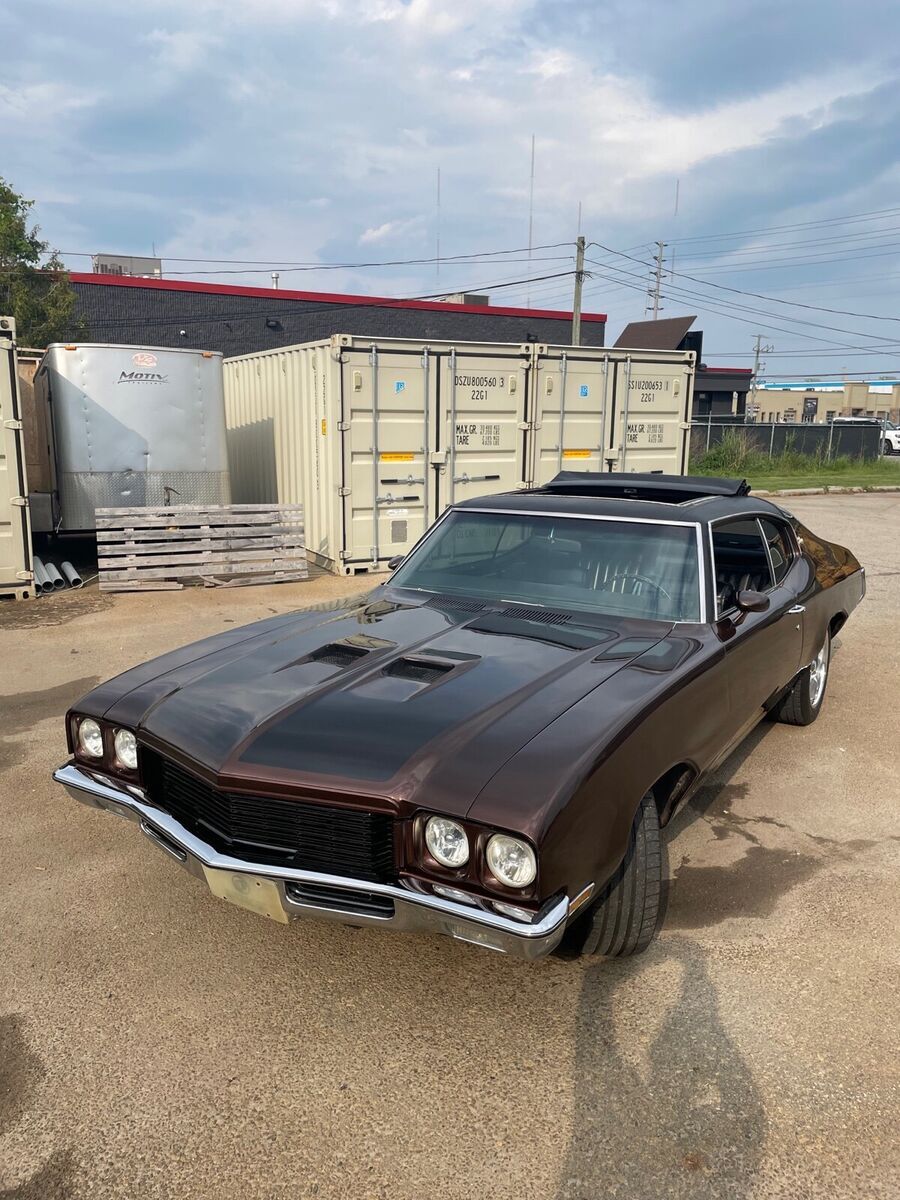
[{"x": 735, "y": 455}]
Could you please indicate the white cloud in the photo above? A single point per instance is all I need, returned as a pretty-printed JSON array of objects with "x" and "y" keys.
[
  {"x": 182, "y": 49},
  {"x": 390, "y": 230}
]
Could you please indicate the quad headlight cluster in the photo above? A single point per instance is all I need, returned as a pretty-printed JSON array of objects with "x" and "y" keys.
[
  {"x": 99, "y": 742},
  {"x": 509, "y": 859}
]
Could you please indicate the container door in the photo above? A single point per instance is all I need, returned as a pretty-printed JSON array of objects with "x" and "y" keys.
[
  {"x": 15, "y": 534},
  {"x": 385, "y": 431},
  {"x": 571, "y": 398},
  {"x": 481, "y": 442},
  {"x": 650, "y": 420}
]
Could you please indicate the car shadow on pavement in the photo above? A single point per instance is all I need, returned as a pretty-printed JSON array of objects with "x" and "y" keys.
[
  {"x": 664, "y": 1103},
  {"x": 20, "y": 1073}
]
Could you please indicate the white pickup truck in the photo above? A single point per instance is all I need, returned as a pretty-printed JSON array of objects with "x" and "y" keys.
[{"x": 891, "y": 443}]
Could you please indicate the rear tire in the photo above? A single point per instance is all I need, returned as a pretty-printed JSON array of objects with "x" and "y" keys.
[
  {"x": 625, "y": 918},
  {"x": 803, "y": 703}
]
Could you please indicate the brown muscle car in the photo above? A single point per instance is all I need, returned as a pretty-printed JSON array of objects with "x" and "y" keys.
[{"x": 488, "y": 744}]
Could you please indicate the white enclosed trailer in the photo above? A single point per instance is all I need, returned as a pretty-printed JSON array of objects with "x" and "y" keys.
[
  {"x": 131, "y": 426},
  {"x": 375, "y": 437},
  {"x": 16, "y": 564}
]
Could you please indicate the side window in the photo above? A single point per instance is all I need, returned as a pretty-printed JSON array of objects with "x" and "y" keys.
[
  {"x": 740, "y": 561},
  {"x": 781, "y": 549}
]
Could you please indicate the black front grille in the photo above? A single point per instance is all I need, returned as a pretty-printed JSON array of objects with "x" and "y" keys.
[
  {"x": 291, "y": 833},
  {"x": 362, "y": 904}
]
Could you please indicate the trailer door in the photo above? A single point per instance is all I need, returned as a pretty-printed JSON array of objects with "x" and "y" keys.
[
  {"x": 570, "y": 401},
  {"x": 384, "y": 432},
  {"x": 649, "y": 420},
  {"x": 16, "y": 574},
  {"x": 481, "y": 439}
]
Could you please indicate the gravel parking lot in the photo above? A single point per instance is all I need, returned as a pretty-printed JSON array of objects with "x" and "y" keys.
[{"x": 156, "y": 1042}]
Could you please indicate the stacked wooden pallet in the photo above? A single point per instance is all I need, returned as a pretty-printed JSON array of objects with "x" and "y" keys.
[{"x": 150, "y": 549}]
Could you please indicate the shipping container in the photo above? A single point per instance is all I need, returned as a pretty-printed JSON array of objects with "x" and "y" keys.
[
  {"x": 16, "y": 570},
  {"x": 131, "y": 426},
  {"x": 376, "y": 437},
  {"x": 610, "y": 410}
]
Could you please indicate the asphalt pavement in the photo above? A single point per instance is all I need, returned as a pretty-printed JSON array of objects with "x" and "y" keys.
[{"x": 157, "y": 1042}]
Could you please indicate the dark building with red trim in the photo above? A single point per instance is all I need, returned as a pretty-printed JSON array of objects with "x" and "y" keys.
[{"x": 243, "y": 320}]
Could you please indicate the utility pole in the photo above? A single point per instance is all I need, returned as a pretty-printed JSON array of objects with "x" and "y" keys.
[
  {"x": 656, "y": 275},
  {"x": 758, "y": 350},
  {"x": 576, "y": 302}
]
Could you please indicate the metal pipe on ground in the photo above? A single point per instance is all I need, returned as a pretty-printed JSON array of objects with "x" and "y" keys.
[
  {"x": 73, "y": 579},
  {"x": 54, "y": 576},
  {"x": 42, "y": 581}
]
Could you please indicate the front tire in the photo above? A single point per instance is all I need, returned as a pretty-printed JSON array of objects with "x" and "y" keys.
[
  {"x": 803, "y": 703},
  {"x": 624, "y": 920}
]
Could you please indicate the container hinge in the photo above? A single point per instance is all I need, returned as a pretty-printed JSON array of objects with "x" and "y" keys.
[
  {"x": 28, "y": 576},
  {"x": 343, "y": 426},
  {"x": 524, "y": 425},
  {"x": 19, "y": 501},
  {"x": 343, "y": 491},
  {"x": 345, "y": 554},
  {"x": 12, "y": 424}
]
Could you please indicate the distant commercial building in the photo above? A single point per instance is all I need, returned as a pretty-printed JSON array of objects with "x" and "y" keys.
[
  {"x": 244, "y": 320},
  {"x": 819, "y": 403},
  {"x": 719, "y": 392},
  {"x": 127, "y": 264}
]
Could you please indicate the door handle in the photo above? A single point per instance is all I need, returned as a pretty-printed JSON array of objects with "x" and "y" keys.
[{"x": 798, "y": 608}]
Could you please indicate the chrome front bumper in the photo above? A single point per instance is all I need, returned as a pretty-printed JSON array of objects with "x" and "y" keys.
[{"x": 404, "y": 910}]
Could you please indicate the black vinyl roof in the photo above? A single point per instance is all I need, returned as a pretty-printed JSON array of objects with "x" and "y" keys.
[
  {"x": 696, "y": 504},
  {"x": 635, "y": 486}
]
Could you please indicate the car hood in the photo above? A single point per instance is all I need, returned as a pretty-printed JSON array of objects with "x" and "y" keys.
[{"x": 418, "y": 703}]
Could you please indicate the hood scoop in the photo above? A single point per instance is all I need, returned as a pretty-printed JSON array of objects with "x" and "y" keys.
[
  {"x": 418, "y": 670},
  {"x": 328, "y": 660},
  {"x": 338, "y": 654}
]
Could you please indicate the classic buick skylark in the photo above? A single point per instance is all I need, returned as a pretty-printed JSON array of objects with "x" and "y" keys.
[{"x": 488, "y": 744}]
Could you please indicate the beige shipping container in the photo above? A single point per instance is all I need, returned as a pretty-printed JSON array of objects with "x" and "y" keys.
[
  {"x": 376, "y": 437},
  {"x": 610, "y": 410},
  {"x": 16, "y": 571}
]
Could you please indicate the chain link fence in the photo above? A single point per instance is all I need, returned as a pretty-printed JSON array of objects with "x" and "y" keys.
[{"x": 824, "y": 442}]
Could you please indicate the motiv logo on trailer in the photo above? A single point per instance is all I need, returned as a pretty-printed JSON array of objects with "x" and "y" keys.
[{"x": 143, "y": 359}]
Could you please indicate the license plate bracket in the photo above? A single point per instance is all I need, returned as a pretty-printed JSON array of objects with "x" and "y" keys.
[{"x": 252, "y": 892}]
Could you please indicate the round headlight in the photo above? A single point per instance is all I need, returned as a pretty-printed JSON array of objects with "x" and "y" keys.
[
  {"x": 511, "y": 860},
  {"x": 447, "y": 841},
  {"x": 90, "y": 739},
  {"x": 126, "y": 749}
]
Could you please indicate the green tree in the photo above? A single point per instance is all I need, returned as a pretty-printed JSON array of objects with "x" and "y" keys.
[{"x": 34, "y": 285}]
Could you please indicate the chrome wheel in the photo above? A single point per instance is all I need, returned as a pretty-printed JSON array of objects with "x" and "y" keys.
[{"x": 818, "y": 673}]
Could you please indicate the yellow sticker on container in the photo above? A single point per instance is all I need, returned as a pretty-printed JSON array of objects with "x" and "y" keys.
[
  {"x": 577, "y": 453},
  {"x": 324, "y": 427},
  {"x": 396, "y": 457}
]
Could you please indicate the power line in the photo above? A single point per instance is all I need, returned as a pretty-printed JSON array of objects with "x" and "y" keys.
[
  {"x": 871, "y": 238},
  {"x": 774, "y": 299},
  {"x": 683, "y": 294},
  {"x": 872, "y": 215},
  {"x": 277, "y": 264}
]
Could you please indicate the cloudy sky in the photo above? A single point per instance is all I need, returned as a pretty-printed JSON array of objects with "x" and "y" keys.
[{"x": 311, "y": 131}]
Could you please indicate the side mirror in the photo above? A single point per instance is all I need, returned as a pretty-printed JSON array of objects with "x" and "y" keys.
[
  {"x": 394, "y": 563},
  {"x": 750, "y": 601}
]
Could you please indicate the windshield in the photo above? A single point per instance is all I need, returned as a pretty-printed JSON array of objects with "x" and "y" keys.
[{"x": 624, "y": 567}]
